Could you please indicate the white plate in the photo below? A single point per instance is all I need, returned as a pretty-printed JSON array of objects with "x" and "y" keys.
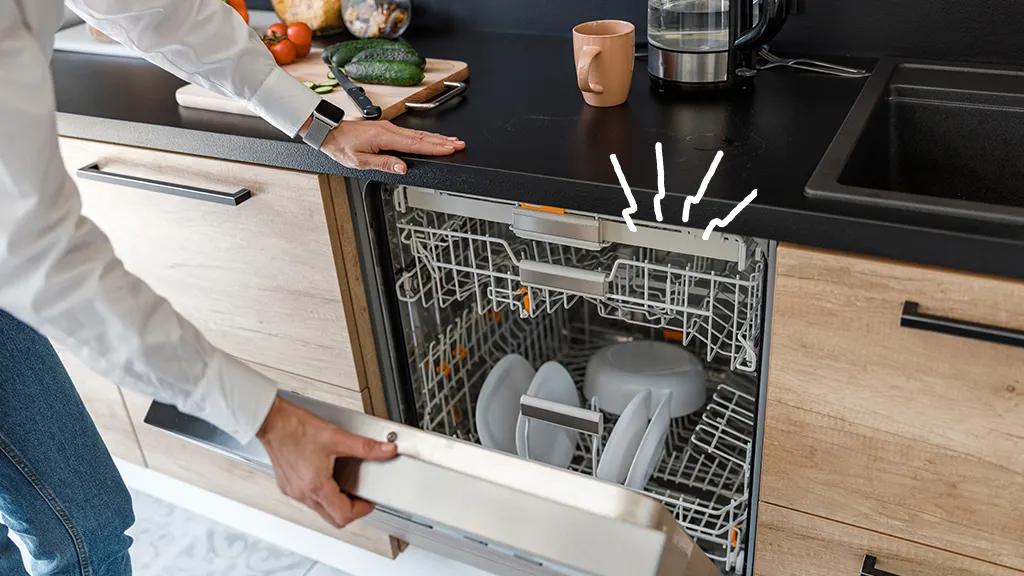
[
  {"x": 497, "y": 406},
  {"x": 616, "y": 373},
  {"x": 652, "y": 446},
  {"x": 624, "y": 441},
  {"x": 549, "y": 443}
]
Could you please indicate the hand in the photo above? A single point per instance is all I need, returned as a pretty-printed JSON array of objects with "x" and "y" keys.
[
  {"x": 303, "y": 447},
  {"x": 358, "y": 145}
]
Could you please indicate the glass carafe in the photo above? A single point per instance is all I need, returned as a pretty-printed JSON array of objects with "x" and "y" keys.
[
  {"x": 689, "y": 25},
  {"x": 702, "y": 43}
]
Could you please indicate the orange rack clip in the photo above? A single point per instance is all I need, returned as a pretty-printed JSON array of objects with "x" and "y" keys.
[
  {"x": 542, "y": 208},
  {"x": 672, "y": 335}
]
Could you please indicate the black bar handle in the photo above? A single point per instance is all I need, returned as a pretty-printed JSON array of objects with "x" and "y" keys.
[
  {"x": 912, "y": 317},
  {"x": 92, "y": 172},
  {"x": 868, "y": 568}
]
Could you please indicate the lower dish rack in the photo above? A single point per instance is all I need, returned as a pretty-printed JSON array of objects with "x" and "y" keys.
[{"x": 703, "y": 477}]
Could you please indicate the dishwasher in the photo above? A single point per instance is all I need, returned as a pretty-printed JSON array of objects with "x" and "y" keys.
[
  {"x": 455, "y": 282},
  {"x": 472, "y": 279}
]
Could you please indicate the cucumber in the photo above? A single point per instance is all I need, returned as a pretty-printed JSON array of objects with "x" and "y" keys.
[
  {"x": 329, "y": 83},
  {"x": 342, "y": 53},
  {"x": 310, "y": 85},
  {"x": 388, "y": 72},
  {"x": 390, "y": 53},
  {"x": 330, "y": 76},
  {"x": 323, "y": 89}
]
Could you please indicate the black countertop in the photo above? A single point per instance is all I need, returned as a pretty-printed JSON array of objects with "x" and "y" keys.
[{"x": 531, "y": 138}]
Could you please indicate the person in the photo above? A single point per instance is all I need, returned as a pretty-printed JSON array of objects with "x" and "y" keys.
[{"x": 60, "y": 281}]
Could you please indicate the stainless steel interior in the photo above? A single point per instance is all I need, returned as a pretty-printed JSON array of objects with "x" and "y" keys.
[{"x": 468, "y": 298}]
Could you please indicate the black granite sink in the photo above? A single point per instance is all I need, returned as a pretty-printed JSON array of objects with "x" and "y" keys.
[{"x": 932, "y": 137}]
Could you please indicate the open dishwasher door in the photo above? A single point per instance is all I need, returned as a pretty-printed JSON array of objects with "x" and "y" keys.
[{"x": 498, "y": 512}]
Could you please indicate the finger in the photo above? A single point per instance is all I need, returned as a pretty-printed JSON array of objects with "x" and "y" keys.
[
  {"x": 349, "y": 444},
  {"x": 316, "y": 507},
  {"x": 340, "y": 507},
  {"x": 381, "y": 162},
  {"x": 411, "y": 141},
  {"x": 428, "y": 136}
]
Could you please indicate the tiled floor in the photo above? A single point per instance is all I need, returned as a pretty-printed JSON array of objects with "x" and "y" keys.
[{"x": 171, "y": 541}]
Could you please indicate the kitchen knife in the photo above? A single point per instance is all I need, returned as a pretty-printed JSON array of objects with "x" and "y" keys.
[{"x": 357, "y": 94}]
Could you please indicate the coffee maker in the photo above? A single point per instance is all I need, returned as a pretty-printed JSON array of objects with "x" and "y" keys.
[{"x": 708, "y": 44}]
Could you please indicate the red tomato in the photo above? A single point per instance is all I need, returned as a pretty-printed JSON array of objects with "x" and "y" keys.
[
  {"x": 283, "y": 51},
  {"x": 239, "y": 6},
  {"x": 300, "y": 35},
  {"x": 278, "y": 29}
]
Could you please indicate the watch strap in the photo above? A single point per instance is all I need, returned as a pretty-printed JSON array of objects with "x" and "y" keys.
[{"x": 317, "y": 131}]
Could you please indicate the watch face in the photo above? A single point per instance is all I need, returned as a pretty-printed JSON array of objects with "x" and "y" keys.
[{"x": 330, "y": 111}]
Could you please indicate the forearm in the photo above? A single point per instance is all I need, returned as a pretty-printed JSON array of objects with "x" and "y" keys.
[{"x": 206, "y": 43}]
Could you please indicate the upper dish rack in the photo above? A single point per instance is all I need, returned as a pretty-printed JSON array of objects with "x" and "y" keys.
[{"x": 537, "y": 260}]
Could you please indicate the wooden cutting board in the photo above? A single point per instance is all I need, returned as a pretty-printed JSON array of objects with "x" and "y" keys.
[{"x": 391, "y": 99}]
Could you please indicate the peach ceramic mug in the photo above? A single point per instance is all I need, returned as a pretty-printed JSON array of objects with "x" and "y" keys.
[{"x": 603, "y": 50}]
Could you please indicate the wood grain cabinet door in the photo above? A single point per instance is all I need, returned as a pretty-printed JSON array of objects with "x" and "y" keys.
[
  {"x": 256, "y": 271},
  {"x": 791, "y": 543},
  {"x": 258, "y": 278},
  {"x": 901, "y": 430}
]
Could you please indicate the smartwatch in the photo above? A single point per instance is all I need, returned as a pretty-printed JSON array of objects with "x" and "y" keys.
[{"x": 325, "y": 117}]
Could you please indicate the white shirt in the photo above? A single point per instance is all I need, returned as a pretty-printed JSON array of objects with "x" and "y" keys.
[{"x": 58, "y": 272}]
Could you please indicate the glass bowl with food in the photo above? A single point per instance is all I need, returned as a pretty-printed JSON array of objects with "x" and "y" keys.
[{"x": 376, "y": 18}]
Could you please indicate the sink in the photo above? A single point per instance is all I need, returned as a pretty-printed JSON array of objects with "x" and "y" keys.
[{"x": 931, "y": 137}]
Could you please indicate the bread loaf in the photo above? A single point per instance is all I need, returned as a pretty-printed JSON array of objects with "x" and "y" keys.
[{"x": 322, "y": 16}]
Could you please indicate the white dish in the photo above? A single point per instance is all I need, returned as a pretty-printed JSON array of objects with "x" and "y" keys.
[
  {"x": 652, "y": 446},
  {"x": 549, "y": 443},
  {"x": 497, "y": 406},
  {"x": 625, "y": 439},
  {"x": 616, "y": 373}
]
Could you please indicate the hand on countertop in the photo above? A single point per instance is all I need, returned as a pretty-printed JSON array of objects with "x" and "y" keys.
[
  {"x": 303, "y": 447},
  {"x": 358, "y": 145}
]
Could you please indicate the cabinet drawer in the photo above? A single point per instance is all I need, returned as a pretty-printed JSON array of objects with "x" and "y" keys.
[
  {"x": 258, "y": 278},
  {"x": 200, "y": 466},
  {"x": 903, "y": 431},
  {"x": 792, "y": 543},
  {"x": 105, "y": 404}
]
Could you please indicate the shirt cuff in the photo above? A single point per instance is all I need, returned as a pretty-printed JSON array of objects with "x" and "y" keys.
[
  {"x": 232, "y": 397},
  {"x": 284, "y": 102}
]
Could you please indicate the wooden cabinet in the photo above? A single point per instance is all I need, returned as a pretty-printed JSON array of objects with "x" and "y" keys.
[
  {"x": 265, "y": 279},
  {"x": 106, "y": 405},
  {"x": 257, "y": 278},
  {"x": 905, "y": 432},
  {"x": 791, "y": 543}
]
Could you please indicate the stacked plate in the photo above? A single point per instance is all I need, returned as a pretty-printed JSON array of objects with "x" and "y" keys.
[
  {"x": 501, "y": 425},
  {"x": 646, "y": 383},
  {"x": 637, "y": 442}
]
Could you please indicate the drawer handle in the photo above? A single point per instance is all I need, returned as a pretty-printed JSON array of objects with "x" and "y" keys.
[
  {"x": 912, "y": 317},
  {"x": 868, "y": 568},
  {"x": 92, "y": 172}
]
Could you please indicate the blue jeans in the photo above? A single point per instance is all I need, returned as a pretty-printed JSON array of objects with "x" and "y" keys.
[{"x": 59, "y": 489}]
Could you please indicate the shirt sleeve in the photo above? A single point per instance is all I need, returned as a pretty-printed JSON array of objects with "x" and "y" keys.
[
  {"x": 206, "y": 43},
  {"x": 59, "y": 274}
]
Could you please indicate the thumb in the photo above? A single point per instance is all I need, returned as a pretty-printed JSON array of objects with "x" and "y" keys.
[
  {"x": 364, "y": 448},
  {"x": 380, "y": 162}
]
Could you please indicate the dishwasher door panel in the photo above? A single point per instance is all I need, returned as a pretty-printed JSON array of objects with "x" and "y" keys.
[{"x": 488, "y": 508}]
